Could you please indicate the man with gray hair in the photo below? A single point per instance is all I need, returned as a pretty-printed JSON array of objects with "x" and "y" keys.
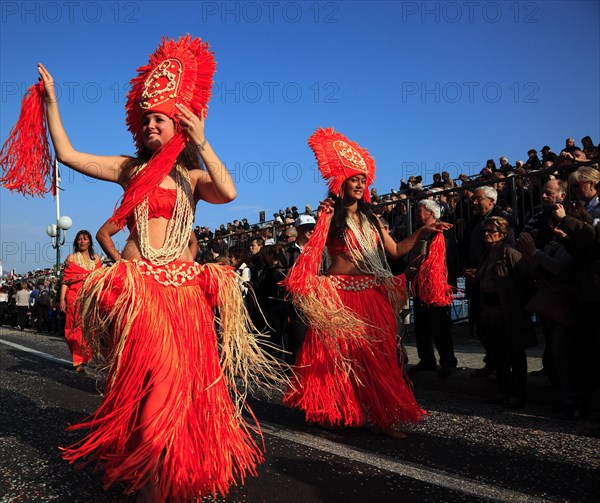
[{"x": 433, "y": 323}]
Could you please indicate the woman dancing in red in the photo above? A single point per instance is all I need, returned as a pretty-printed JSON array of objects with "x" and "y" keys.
[
  {"x": 167, "y": 426},
  {"x": 78, "y": 266},
  {"x": 347, "y": 372}
]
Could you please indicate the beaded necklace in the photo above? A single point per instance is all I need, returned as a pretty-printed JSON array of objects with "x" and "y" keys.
[
  {"x": 364, "y": 249},
  {"x": 177, "y": 234},
  {"x": 369, "y": 256},
  {"x": 85, "y": 263}
]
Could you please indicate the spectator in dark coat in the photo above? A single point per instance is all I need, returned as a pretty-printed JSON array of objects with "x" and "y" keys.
[
  {"x": 505, "y": 287},
  {"x": 472, "y": 252},
  {"x": 305, "y": 226},
  {"x": 533, "y": 163},
  {"x": 590, "y": 151},
  {"x": 570, "y": 146},
  {"x": 505, "y": 166},
  {"x": 583, "y": 242},
  {"x": 270, "y": 296},
  {"x": 548, "y": 155}
]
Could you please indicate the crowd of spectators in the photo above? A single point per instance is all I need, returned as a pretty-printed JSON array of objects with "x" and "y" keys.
[
  {"x": 281, "y": 217},
  {"x": 546, "y": 215},
  {"x": 30, "y": 301},
  {"x": 523, "y": 198}
]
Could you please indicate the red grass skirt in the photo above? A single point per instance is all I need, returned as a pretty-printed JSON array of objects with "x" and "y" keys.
[
  {"x": 73, "y": 333},
  {"x": 359, "y": 381},
  {"x": 167, "y": 412},
  {"x": 74, "y": 277}
]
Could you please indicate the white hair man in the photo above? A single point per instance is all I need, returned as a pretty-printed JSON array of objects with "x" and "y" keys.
[{"x": 433, "y": 323}]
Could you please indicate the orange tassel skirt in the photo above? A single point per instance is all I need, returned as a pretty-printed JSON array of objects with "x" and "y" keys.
[
  {"x": 73, "y": 333},
  {"x": 167, "y": 417},
  {"x": 357, "y": 380}
]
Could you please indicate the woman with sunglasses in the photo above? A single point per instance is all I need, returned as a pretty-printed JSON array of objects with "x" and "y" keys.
[{"x": 505, "y": 287}]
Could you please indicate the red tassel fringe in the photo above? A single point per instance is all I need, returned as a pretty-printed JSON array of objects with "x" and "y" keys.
[
  {"x": 148, "y": 179},
  {"x": 430, "y": 284},
  {"x": 190, "y": 434},
  {"x": 25, "y": 156},
  {"x": 300, "y": 280}
]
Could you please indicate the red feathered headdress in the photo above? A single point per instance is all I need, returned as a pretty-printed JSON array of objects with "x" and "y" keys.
[
  {"x": 339, "y": 159},
  {"x": 178, "y": 72}
]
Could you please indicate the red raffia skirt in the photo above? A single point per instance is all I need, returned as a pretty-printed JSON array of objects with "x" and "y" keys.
[
  {"x": 359, "y": 381},
  {"x": 167, "y": 413},
  {"x": 73, "y": 333}
]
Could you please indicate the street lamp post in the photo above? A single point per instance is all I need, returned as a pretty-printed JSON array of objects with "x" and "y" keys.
[{"x": 58, "y": 231}]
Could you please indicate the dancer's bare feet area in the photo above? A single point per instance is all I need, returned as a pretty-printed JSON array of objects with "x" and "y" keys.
[{"x": 389, "y": 432}]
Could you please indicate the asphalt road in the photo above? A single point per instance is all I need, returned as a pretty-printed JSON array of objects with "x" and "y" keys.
[{"x": 464, "y": 450}]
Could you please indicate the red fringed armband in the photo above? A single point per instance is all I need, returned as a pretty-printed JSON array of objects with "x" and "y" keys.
[
  {"x": 25, "y": 156},
  {"x": 430, "y": 284}
]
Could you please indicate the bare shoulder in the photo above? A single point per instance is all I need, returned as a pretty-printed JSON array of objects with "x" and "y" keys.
[
  {"x": 129, "y": 168},
  {"x": 70, "y": 258}
]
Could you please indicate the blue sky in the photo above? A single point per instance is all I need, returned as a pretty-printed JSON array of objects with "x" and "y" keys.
[{"x": 424, "y": 86}]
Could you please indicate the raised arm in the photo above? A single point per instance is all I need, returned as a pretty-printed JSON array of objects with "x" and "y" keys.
[
  {"x": 214, "y": 185},
  {"x": 109, "y": 168},
  {"x": 399, "y": 249}
]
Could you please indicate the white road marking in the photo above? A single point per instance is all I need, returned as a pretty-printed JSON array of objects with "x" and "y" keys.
[
  {"x": 403, "y": 468},
  {"x": 36, "y": 352}
]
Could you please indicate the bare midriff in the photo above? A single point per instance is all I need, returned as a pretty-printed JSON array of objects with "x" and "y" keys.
[
  {"x": 157, "y": 229},
  {"x": 342, "y": 265}
]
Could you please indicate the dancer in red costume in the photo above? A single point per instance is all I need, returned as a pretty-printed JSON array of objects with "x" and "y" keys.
[
  {"x": 347, "y": 372},
  {"x": 167, "y": 426},
  {"x": 78, "y": 266}
]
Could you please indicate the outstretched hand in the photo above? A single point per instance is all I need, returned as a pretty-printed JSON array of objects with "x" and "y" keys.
[
  {"x": 325, "y": 208},
  {"x": 48, "y": 81},
  {"x": 437, "y": 227},
  {"x": 193, "y": 126}
]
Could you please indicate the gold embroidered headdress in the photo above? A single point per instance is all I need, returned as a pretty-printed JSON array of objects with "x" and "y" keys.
[
  {"x": 178, "y": 72},
  {"x": 339, "y": 159}
]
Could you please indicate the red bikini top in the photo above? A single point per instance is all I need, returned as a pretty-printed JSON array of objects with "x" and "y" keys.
[
  {"x": 161, "y": 203},
  {"x": 338, "y": 246}
]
